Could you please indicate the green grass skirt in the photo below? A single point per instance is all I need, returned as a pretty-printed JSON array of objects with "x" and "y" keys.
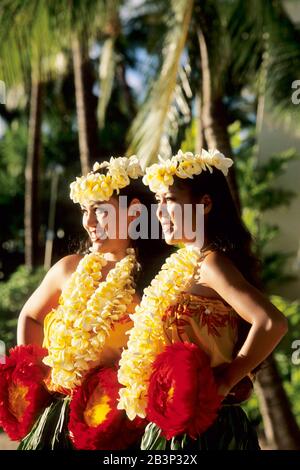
[
  {"x": 232, "y": 430},
  {"x": 50, "y": 431}
]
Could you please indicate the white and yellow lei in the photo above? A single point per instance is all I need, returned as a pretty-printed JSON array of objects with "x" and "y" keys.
[
  {"x": 100, "y": 187},
  {"x": 76, "y": 331},
  {"x": 146, "y": 339},
  {"x": 160, "y": 176}
]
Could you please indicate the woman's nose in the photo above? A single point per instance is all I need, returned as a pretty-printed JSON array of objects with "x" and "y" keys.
[
  {"x": 162, "y": 210},
  {"x": 91, "y": 219}
]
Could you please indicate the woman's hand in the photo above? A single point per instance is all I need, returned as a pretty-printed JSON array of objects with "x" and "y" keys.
[{"x": 241, "y": 391}]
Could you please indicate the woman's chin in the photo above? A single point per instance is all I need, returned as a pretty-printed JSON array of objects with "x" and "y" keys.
[
  {"x": 170, "y": 238},
  {"x": 97, "y": 245}
]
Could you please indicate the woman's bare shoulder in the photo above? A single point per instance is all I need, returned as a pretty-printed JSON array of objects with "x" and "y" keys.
[
  {"x": 70, "y": 262},
  {"x": 65, "y": 267},
  {"x": 217, "y": 264}
]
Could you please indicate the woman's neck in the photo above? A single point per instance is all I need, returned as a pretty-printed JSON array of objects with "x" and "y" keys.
[
  {"x": 202, "y": 246},
  {"x": 115, "y": 256}
]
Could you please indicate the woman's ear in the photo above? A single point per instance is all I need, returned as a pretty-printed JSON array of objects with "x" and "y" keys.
[{"x": 207, "y": 202}]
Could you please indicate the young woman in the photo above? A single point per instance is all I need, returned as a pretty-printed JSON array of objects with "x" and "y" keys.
[
  {"x": 206, "y": 294},
  {"x": 80, "y": 312}
]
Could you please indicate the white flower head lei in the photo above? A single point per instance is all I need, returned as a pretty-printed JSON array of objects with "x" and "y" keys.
[
  {"x": 100, "y": 187},
  {"x": 160, "y": 176}
]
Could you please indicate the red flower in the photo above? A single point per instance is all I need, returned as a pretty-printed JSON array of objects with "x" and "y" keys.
[
  {"x": 182, "y": 395},
  {"x": 95, "y": 422},
  {"x": 22, "y": 391}
]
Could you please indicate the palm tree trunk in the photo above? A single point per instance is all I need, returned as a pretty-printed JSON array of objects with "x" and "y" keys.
[
  {"x": 198, "y": 119},
  {"x": 32, "y": 197},
  {"x": 280, "y": 426},
  {"x": 86, "y": 104},
  {"x": 214, "y": 119}
]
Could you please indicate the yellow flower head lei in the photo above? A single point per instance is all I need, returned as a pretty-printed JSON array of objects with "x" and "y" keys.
[
  {"x": 100, "y": 187},
  {"x": 146, "y": 338},
  {"x": 184, "y": 165},
  {"x": 75, "y": 332}
]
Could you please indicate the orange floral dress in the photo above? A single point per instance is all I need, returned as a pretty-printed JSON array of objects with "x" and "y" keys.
[{"x": 207, "y": 322}]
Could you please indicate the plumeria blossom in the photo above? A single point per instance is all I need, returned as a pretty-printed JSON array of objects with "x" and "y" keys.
[
  {"x": 214, "y": 158},
  {"x": 100, "y": 187}
]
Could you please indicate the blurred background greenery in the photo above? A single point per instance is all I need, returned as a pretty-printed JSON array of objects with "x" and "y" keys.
[{"x": 87, "y": 79}]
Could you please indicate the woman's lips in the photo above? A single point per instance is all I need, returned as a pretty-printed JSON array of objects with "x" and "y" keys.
[
  {"x": 98, "y": 236},
  {"x": 95, "y": 239},
  {"x": 167, "y": 227}
]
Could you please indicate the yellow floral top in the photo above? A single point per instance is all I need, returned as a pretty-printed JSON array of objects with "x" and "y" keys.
[
  {"x": 115, "y": 342},
  {"x": 206, "y": 321}
]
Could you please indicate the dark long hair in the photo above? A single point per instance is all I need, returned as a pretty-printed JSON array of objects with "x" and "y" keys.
[
  {"x": 151, "y": 252},
  {"x": 225, "y": 231}
]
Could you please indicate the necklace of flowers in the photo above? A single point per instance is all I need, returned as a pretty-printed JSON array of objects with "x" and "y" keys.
[
  {"x": 76, "y": 331},
  {"x": 146, "y": 339}
]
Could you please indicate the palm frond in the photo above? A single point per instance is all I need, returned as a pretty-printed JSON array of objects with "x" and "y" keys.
[
  {"x": 152, "y": 124},
  {"x": 32, "y": 33},
  {"x": 263, "y": 35}
]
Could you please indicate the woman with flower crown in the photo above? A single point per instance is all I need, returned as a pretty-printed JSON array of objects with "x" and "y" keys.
[
  {"x": 80, "y": 315},
  {"x": 203, "y": 325}
]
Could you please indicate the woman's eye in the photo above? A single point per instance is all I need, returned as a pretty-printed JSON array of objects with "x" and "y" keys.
[
  {"x": 83, "y": 211},
  {"x": 100, "y": 211}
]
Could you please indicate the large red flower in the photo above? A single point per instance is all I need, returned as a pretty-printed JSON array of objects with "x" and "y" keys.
[
  {"x": 95, "y": 422},
  {"x": 22, "y": 391},
  {"x": 182, "y": 395}
]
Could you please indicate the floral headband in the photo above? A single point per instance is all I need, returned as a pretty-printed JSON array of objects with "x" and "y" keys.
[
  {"x": 100, "y": 187},
  {"x": 160, "y": 176}
]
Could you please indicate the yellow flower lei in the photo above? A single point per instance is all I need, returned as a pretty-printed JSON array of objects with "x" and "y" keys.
[
  {"x": 146, "y": 339},
  {"x": 160, "y": 176},
  {"x": 100, "y": 187},
  {"x": 75, "y": 332}
]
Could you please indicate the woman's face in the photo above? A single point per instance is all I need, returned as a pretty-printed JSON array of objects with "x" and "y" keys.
[
  {"x": 181, "y": 219},
  {"x": 107, "y": 225}
]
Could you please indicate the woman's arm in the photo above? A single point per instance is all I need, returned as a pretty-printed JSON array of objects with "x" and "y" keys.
[
  {"x": 268, "y": 324},
  {"x": 43, "y": 300}
]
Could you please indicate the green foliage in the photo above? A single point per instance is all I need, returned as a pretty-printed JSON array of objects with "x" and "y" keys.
[
  {"x": 188, "y": 145},
  {"x": 260, "y": 192},
  {"x": 13, "y": 294},
  {"x": 12, "y": 161}
]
